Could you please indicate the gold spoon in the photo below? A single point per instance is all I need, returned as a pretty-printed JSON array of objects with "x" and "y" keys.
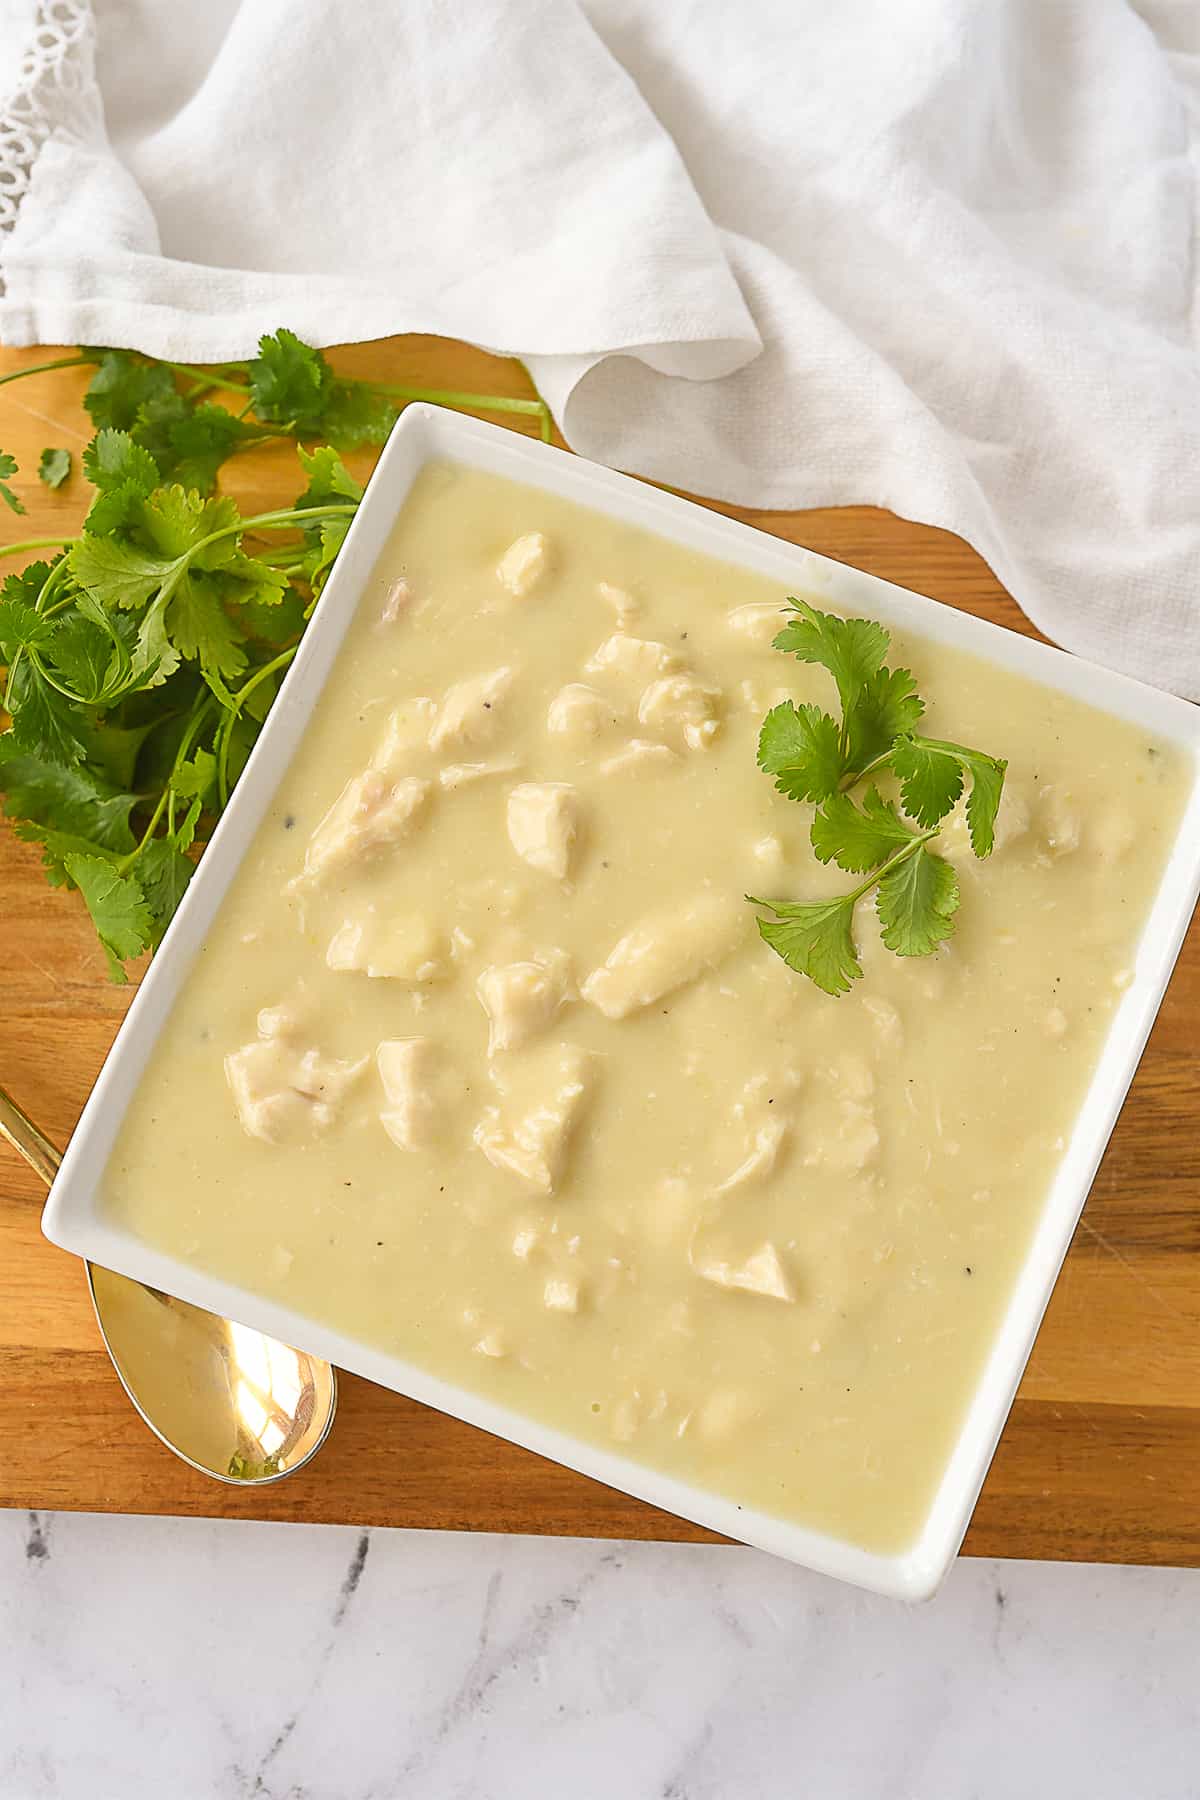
[{"x": 231, "y": 1402}]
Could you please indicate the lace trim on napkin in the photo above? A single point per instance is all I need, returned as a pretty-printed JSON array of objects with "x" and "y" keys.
[{"x": 56, "y": 93}]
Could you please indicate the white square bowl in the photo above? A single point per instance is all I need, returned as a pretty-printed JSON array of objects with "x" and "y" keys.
[{"x": 73, "y": 1218}]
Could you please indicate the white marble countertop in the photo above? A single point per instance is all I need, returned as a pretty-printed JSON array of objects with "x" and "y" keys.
[{"x": 217, "y": 1661}]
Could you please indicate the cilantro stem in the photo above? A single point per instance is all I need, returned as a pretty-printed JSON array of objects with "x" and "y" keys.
[
  {"x": 893, "y": 862},
  {"x": 499, "y": 403},
  {"x": 60, "y": 362},
  {"x": 877, "y": 762},
  {"x": 291, "y": 515},
  {"x": 54, "y": 579},
  {"x": 225, "y": 733},
  {"x": 191, "y": 730},
  {"x": 208, "y": 378},
  {"x": 47, "y": 543}
]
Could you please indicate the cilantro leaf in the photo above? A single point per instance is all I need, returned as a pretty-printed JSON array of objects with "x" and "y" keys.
[
  {"x": 124, "y": 473},
  {"x": 854, "y": 840},
  {"x": 118, "y": 907},
  {"x": 321, "y": 557},
  {"x": 245, "y": 581},
  {"x": 814, "y": 938},
  {"x": 289, "y": 381},
  {"x": 931, "y": 778},
  {"x": 357, "y": 414},
  {"x": 201, "y": 441},
  {"x": 54, "y": 466},
  {"x": 21, "y": 626},
  {"x": 8, "y": 466},
  {"x": 886, "y": 707},
  {"x": 916, "y": 902},
  {"x": 112, "y": 750},
  {"x": 176, "y": 521},
  {"x": 81, "y": 655},
  {"x": 196, "y": 778},
  {"x": 277, "y": 622},
  {"x": 983, "y": 802},
  {"x": 44, "y": 722},
  {"x": 27, "y": 584},
  {"x": 155, "y": 658},
  {"x": 73, "y": 800},
  {"x": 800, "y": 746},
  {"x": 112, "y": 458},
  {"x": 56, "y": 846},
  {"x": 163, "y": 872},
  {"x": 153, "y": 424},
  {"x": 122, "y": 385},
  {"x": 201, "y": 630},
  {"x": 328, "y": 478},
  {"x": 116, "y": 573},
  {"x": 851, "y": 649}
]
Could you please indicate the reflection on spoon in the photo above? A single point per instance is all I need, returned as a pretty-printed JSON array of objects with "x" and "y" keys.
[{"x": 232, "y": 1402}]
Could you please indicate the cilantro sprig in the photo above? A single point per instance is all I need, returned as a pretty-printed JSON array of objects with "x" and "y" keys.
[
  {"x": 141, "y": 659},
  {"x": 814, "y": 756}
]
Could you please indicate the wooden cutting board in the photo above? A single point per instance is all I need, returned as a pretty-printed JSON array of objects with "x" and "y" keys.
[{"x": 1101, "y": 1457}]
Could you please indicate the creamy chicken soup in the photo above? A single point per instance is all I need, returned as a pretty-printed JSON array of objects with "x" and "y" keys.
[{"x": 485, "y": 1064}]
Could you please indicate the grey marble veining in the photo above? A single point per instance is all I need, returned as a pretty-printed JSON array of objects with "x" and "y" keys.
[{"x": 219, "y": 1661}]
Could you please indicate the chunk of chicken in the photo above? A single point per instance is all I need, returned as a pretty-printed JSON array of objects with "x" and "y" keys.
[
  {"x": 561, "y": 1294},
  {"x": 372, "y": 813},
  {"x": 404, "y": 948},
  {"x": 543, "y": 821},
  {"x": 419, "y": 1089},
  {"x": 522, "y": 998},
  {"x": 469, "y": 713},
  {"x": 407, "y": 729},
  {"x": 1058, "y": 822},
  {"x": 524, "y": 563},
  {"x": 579, "y": 714},
  {"x": 637, "y": 659},
  {"x": 725, "y": 1411},
  {"x": 761, "y": 1273},
  {"x": 759, "y": 623},
  {"x": 1012, "y": 823},
  {"x": 283, "y": 1091},
  {"x": 528, "y": 1133},
  {"x": 621, "y": 600},
  {"x": 396, "y": 601},
  {"x": 760, "y": 1159},
  {"x": 682, "y": 709},
  {"x": 662, "y": 952},
  {"x": 465, "y": 774},
  {"x": 639, "y": 757}
]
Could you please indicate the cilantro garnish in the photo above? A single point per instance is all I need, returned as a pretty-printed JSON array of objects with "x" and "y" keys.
[
  {"x": 8, "y": 466},
  {"x": 142, "y": 659},
  {"x": 54, "y": 466},
  {"x": 814, "y": 756}
]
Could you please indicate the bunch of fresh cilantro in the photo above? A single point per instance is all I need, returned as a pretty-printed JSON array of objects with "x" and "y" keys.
[
  {"x": 142, "y": 659},
  {"x": 818, "y": 758}
]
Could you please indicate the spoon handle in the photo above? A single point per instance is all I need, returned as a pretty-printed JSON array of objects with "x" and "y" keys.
[{"x": 26, "y": 1139}]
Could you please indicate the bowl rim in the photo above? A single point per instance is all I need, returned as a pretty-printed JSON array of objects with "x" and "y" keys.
[{"x": 72, "y": 1218}]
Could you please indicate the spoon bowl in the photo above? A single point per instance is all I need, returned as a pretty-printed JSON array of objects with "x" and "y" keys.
[{"x": 232, "y": 1403}]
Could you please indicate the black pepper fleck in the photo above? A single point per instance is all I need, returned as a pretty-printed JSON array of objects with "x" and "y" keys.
[{"x": 289, "y": 822}]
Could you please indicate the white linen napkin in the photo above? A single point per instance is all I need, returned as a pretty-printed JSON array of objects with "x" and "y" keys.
[{"x": 939, "y": 257}]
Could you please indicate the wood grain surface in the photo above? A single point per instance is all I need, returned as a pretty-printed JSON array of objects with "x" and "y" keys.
[{"x": 1101, "y": 1457}]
